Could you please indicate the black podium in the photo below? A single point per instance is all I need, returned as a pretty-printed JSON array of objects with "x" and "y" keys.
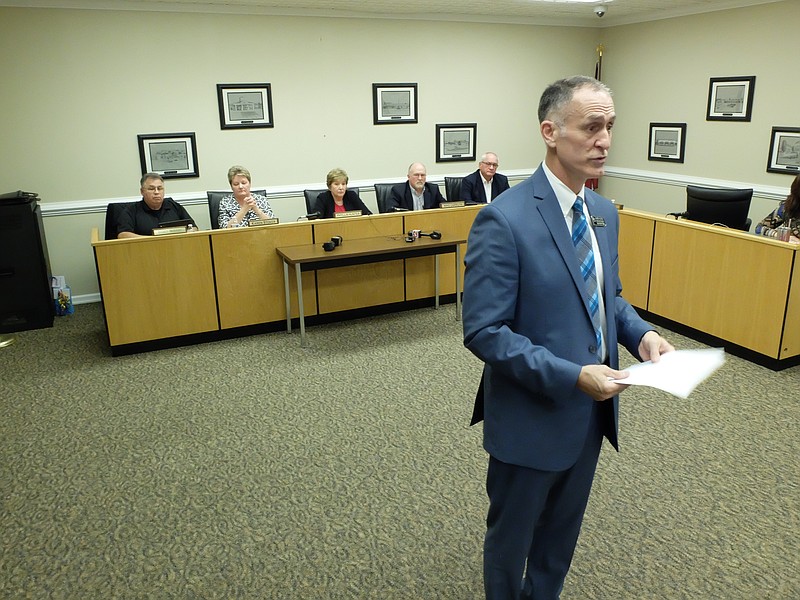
[{"x": 26, "y": 299}]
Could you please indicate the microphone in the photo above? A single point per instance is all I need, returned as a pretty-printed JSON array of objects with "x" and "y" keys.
[
  {"x": 399, "y": 209},
  {"x": 434, "y": 235},
  {"x": 313, "y": 215},
  {"x": 677, "y": 215}
]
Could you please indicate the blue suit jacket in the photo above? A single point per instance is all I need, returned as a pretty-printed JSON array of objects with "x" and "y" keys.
[
  {"x": 472, "y": 187},
  {"x": 401, "y": 196},
  {"x": 525, "y": 315}
]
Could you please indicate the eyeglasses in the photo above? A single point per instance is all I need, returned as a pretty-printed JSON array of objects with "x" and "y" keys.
[{"x": 490, "y": 165}]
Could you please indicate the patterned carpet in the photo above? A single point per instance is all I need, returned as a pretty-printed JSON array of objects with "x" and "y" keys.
[{"x": 253, "y": 468}]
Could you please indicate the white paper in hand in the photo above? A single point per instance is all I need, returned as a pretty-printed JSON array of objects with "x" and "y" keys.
[{"x": 678, "y": 372}]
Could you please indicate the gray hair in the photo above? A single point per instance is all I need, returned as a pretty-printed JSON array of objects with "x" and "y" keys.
[
  {"x": 148, "y": 176},
  {"x": 559, "y": 94}
]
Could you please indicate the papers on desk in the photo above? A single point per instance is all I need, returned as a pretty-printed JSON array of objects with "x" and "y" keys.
[{"x": 678, "y": 372}]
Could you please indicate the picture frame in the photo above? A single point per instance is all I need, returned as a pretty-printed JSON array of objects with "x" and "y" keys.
[
  {"x": 730, "y": 98},
  {"x": 394, "y": 103},
  {"x": 171, "y": 155},
  {"x": 244, "y": 105},
  {"x": 456, "y": 142},
  {"x": 784, "y": 150},
  {"x": 667, "y": 142}
]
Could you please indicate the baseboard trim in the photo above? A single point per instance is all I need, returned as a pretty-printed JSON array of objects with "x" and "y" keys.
[
  {"x": 705, "y": 338},
  {"x": 261, "y": 328}
]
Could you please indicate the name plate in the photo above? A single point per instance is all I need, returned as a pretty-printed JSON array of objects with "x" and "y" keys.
[
  {"x": 453, "y": 204},
  {"x": 169, "y": 230},
  {"x": 347, "y": 213},
  {"x": 260, "y": 222}
]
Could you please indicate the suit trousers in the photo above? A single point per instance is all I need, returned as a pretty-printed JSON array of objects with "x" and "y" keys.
[{"x": 534, "y": 521}]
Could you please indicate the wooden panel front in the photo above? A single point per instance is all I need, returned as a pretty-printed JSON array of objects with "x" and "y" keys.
[
  {"x": 249, "y": 274},
  {"x": 635, "y": 253},
  {"x": 354, "y": 228},
  {"x": 452, "y": 223},
  {"x": 791, "y": 328},
  {"x": 156, "y": 287},
  {"x": 359, "y": 286},
  {"x": 729, "y": 284}
]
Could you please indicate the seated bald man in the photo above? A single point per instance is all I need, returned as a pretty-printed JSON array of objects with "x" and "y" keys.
[{"x": 417, "y": 193}]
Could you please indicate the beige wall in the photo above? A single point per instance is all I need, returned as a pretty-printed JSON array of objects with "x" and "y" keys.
[
  {"x": 82, "y": 84},
  {"x": 86, "y": 82},
  {"x": 660, "y": 72}
]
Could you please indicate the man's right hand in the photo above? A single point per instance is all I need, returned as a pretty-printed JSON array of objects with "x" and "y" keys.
[{"x": 596, "y": 381}]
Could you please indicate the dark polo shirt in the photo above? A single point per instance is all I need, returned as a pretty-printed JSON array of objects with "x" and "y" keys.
[{"x": 141, "y": 219}]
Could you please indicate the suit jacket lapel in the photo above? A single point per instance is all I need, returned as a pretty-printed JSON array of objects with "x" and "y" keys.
[
  {"x": 553, "y": 218},
  {"x": 495, "y": 185},
  {"x": 408, "y": 199}
]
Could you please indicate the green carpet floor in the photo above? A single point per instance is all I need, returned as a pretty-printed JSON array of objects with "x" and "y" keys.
[{"x": 253, "y": 468}]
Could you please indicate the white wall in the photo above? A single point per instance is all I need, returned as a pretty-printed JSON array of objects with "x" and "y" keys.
[
  {"x": 660, "y": 72},
  {"x": 81, "y": 84},
  {"x": 86, "y": 82}
]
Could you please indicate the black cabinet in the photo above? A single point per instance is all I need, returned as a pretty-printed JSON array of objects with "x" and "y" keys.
[{"x": 26, "y": 300}]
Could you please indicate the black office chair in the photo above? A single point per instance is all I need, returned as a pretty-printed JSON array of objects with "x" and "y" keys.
[
  {"x": 311, "y": 197},
  {"x": 716, "y": 206},
  {"x": 452, "y": 188},
  {"x": 113, "y": 210},
  {"x": 214, "y": 198},
  {"x": 383, "y": 192}
]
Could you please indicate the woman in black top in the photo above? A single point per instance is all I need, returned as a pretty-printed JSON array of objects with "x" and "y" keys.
[{"x": 338, "y": 198}]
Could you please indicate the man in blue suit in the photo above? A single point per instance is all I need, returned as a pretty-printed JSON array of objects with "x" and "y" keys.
[
  {"x": 543, "y": 311},
  {"x": 485, "y": 184},
  {"x": 417, "y": 194}
]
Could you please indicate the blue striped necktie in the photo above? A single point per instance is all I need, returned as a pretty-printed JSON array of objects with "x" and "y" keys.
[{"x": 582, "y": 241}]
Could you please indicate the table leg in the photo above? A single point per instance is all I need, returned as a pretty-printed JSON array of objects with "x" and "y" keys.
[
  {"x": 458, "y": 282},
  {"x": 300, "y": 307},
  {"x": 288, "y": 297},
  {"x": 436, "y": 279}
]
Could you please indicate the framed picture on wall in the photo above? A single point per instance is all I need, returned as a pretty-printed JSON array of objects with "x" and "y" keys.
[
  {"x": 730, "y": 98},
  {"x": 456, "y": 142},
  {"x": 784, "y": 150},
  {"x": 667, "y": 141},
  {"x": 394, "y": 103},
  {"x": 171, "y": 155},
  {"x": 244, "y": 105}
]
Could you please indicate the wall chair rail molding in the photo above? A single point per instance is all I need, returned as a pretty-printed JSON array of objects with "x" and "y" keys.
[{"x": 762, "y": 191}]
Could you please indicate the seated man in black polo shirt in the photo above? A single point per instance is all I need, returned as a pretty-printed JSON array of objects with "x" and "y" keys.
[{"x": 153, "y": 209}]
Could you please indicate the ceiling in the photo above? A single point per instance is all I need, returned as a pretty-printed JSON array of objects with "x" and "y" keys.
[{"x": 538, "y": 12}]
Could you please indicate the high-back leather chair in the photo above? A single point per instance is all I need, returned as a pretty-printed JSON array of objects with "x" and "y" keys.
[
  {"x": 383, "y": 191},
  {"x": 452, "y": 188},
  {"x": 718, "y": 206},
  {"x": 113, "y": 210},
  {"x": 311, "y": 197},
  {"x": 214, "y": 198}
]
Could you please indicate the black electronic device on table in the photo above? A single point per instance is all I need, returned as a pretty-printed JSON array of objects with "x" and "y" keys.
[{"x": 175, "y": 223}]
